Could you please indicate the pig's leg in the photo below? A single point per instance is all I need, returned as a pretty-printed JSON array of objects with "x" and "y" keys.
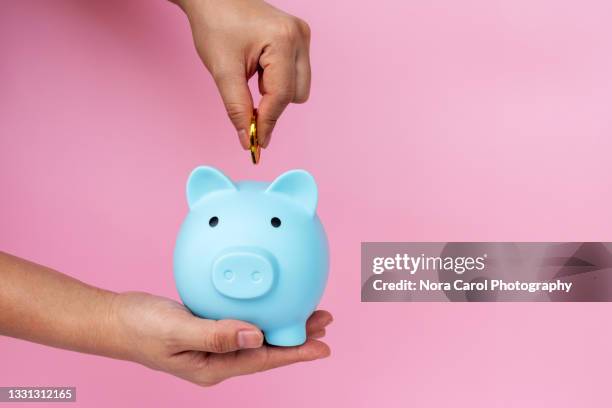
[{"x": 293, "y": 335}]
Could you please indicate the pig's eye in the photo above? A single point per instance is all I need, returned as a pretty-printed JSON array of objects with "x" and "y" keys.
[
  {"x": 276, "y": 222},
  {"x": 213, "y": 221}
]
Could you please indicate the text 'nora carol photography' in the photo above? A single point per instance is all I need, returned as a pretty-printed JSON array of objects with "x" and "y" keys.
[{"x": 497, "y": 271}]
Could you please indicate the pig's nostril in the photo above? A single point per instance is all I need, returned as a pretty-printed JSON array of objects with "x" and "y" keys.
[
  {"x": 228, "y": 275},
  {"x": 256, "y": 276}
]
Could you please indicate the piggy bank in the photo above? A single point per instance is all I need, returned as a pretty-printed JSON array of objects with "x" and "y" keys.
[{"x": 253, "y": 251}]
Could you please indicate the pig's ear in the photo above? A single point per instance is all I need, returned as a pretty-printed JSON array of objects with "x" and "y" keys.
[
  {"x": 204, "y": 180},
  {"x": 299, "y": 186}
]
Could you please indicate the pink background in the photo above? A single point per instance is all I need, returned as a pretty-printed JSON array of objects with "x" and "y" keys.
[{"x": 435, "y": 120}]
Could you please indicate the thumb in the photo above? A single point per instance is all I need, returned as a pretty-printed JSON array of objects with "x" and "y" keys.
[
  {"x": 219, "y": 336},
  {"x": 238, "y": 102}
]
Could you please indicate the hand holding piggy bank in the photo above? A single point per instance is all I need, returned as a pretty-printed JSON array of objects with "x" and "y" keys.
[{"x": 253, "y": 251}]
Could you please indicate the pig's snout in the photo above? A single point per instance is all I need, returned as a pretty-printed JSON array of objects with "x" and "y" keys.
[{"x": 243, "y": 273}]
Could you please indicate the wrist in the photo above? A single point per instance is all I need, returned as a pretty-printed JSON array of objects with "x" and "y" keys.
[{"x": 114, "y": 329}]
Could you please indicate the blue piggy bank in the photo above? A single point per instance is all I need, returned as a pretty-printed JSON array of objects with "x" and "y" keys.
[{"x": 253, "y": 251}]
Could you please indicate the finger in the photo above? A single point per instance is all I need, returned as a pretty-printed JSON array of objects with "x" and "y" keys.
[
  {"x": 317, "y": 335},
  {"x": 265, "y": 358},
  {"x": 238, "y": 101},
  {"x": 217, "y": 336},
  {"x": 318, "y": 320},
  {"x": 277, "y": 85},
  {"x": 302, "y": 77},
  {"x": 282, "y": 356}
]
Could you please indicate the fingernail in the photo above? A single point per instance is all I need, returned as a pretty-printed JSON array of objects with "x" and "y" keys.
[{"x": 249, "y": 339}]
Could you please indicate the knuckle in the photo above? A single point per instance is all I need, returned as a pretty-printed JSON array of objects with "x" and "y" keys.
[
  {"x": 287, "y": 29},
  {"x": 219, "y": 342},
  {"x": 235, "y": 111},
  {"x": 269, "y": 120},
  {"x": 170, "y": 341},
  {"x": 263, "y": 362},
  {"x": 304, "y": 28}
]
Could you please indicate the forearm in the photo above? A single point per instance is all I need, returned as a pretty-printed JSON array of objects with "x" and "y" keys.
[{"x": 44, "y": 306}]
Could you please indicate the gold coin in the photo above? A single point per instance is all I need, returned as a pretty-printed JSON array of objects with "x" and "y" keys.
[{"x": 253, "y": 141}]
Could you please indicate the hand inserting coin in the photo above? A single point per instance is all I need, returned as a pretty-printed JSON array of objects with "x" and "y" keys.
[{"x": 253, "y": 141}]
